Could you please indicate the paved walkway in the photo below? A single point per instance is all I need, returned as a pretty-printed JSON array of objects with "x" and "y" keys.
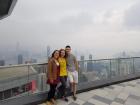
[{"x": 127, "y": 93}]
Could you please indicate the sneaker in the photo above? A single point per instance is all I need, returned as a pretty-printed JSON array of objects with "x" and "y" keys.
[
  {"x": 65, "y": 99},
  {"x": 53, "y": 102},
  {"x": 74, "y": 98},
  {"x": 48, "y": 103}
]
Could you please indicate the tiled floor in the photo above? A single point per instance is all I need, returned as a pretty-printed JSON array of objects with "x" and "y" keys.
[{"x": 127, "y": 93}]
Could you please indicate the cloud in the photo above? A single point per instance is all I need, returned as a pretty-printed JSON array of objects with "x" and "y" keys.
[
  {"x": 37, "y": 33},
  {"x": 132, "y": 17},
  {"x": 75, "y": 23},
  {"x": 84, "y": 24}
]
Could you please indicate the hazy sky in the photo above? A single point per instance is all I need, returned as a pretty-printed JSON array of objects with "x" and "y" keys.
[{"x": 101, "y": 27}]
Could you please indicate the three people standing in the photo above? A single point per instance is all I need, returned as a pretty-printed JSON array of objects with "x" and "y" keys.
[{"x": 61, "y": 65}]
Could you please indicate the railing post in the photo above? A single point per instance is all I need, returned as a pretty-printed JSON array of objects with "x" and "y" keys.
[
  {"x": 3, "y": 96},
  {"x": 133, "y": 65},
  {"x": 110, "y": 72},
  {"x": 28, "y": 76},
  {"x": 118, "y": 66}
]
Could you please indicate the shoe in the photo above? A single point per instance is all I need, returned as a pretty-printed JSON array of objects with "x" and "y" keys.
[
  {"x": 74, "y": 98},
  {"x": 53, "y": 102},
  {"x": 65, "y": 99},
  {"x": 48, "y": 103}
]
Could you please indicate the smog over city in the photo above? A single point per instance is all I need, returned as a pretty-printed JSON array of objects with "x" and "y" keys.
[{"x": 103, "y": 28}]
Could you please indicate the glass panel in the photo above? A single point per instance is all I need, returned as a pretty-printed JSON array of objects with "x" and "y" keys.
[
  {"x": 137, "y": 64},
  {"x": 1, "y": 95},
  {"x": 94, "y": 70},
  {"x": 114, "y": 68},
  {"x": 38, "y": 81},
  {"x": 102, "y": 68},
  {"x": 7, "y": 94},
  {"x": 82, "y": 71},
  {"x": 126, "y": 66},
  {"x": 12, "y": 81}
]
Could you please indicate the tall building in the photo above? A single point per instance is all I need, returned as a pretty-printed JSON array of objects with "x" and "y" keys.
[
  {"x": 90, "y": 57},
  {"x": 2, "y": 62},
  {"x": 48, "y": 52},
  {"x": 82, "y": 58},
  {"x": 90, "y": 64},
  {"x": 82, "y": 63},
  {"x": 20, "y": 59}
]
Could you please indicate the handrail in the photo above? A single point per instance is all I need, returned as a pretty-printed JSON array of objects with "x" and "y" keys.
[{"x": 31, "y": 64}]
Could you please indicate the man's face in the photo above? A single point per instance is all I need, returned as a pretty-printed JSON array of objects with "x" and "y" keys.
[{"x": 68, "y": 50}]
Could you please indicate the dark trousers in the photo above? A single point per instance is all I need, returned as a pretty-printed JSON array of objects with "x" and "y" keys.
[
  {"x": 51, "y": 92},
  {"x": 62, "y": 88}
]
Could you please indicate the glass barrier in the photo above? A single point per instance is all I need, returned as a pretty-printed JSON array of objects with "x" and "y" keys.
[
  {"x": 23, "y": 80},
  {"x": 39, "y": 85},
  {"x": 94, "y": 70},
  {"x": 14, "y": 81},
  {"x": 136, "y": 63}
]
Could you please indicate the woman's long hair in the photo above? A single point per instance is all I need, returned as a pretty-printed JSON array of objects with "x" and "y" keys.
[
  {"x": 54, "y": 53},
  {"x": 64, "y": 51}
]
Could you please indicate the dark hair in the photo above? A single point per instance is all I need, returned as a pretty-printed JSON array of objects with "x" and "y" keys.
[
  {"x": 67, "y": 46},
  {"x": 54, "y": 53},
  {"x": 62, "y": 50}
]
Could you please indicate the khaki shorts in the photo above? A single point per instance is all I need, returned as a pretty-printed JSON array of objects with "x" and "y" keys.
[{"x": 73, "y": 76}]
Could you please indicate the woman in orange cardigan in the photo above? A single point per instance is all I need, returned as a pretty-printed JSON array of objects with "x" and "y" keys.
[{"x": 53, "y": 76}]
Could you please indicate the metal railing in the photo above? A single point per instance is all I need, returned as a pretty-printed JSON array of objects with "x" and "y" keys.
[{"x": 30, "y": 79}]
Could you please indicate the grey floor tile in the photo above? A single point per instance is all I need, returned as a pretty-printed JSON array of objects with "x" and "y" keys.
[
  {"x": 102, "y": 99},
  {"x": 131, "y": 85},
  {"x": 131, "y": 101},
  {"x": 121, "y": 101},
  {"x": 138, "y": 82},
  {"x": 110, "y": 87},
  {"x": 134, "y": 97},
  {"x": 123, "y": 85},
  {"x": 110, "y": 95},
  {"x": 73, "y": 103},
  {"x": 87, "y": 103}
]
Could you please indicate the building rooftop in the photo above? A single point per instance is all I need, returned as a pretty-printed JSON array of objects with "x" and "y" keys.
[
  {"x": 126, "y": 93},
  {"x": 15, "y": 72}
]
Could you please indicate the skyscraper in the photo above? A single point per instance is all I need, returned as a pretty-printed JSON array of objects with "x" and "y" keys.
[
  {"x": 82, "y": 58},
  {"x": 2, "y": 62},
  {"x": 48, "y": 52},
  {"x": 20, "y": 59},
  {"x": 90, "y": 57},
  {"x": 82, "y": 63},
  {"x": 90, "y": 64}
]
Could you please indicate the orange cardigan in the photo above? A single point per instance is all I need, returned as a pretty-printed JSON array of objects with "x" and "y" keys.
[{"x": 52, "y": 71}]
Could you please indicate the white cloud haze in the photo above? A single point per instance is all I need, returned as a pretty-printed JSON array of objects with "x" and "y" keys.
[{"x": 102, "y": 27}]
